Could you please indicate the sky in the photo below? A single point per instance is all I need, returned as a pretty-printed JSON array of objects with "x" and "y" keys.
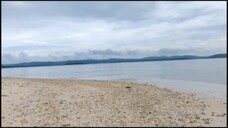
[{"x": 57, "y": 30}]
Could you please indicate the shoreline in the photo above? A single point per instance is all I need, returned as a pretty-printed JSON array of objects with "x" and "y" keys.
[
  {"x": 173, "y": 85},
  {"x": 58, "y": 102},
  {"x": 201, "y": 89}
]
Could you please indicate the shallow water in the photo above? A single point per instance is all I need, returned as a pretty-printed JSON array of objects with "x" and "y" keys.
[{"x": 205, "y": 76}]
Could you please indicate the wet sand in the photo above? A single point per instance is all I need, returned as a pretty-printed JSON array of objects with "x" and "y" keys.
[{"x": 46, "y": 102}]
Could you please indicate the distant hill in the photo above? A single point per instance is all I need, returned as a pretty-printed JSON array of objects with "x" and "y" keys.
[
  {"x": 112, "y": 60},
  {"x": 218, "y": 56},
  {"x": 182, "y": 57}
]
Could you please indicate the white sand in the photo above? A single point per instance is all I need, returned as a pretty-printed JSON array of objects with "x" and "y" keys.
[{"x": 42, "y": 102}]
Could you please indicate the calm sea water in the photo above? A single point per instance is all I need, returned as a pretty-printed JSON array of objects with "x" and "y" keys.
[{"x": 206, "y": 76}]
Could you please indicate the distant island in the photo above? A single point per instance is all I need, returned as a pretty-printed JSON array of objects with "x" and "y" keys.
[{"x": 112, "y": 60}]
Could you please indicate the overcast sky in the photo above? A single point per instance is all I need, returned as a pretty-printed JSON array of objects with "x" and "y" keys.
[{"x": 48, "y": 31}]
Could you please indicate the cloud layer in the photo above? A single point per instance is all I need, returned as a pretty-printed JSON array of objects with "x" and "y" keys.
[{"x": 47, "y": 31}]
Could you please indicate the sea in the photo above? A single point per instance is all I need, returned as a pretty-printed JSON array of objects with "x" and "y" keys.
[{"x": 198, "y": 76}]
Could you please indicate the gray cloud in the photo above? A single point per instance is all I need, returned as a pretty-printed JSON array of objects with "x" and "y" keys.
[
  {"x": 67, "y": 30},
  {"x": 107, "y": 10},
  {"x": 9, "y": 58}
]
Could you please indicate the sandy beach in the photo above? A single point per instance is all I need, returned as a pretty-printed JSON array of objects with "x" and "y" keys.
[{"x": 47, "y": 102}]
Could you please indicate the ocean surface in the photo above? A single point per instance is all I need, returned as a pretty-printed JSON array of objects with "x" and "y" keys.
[{"x": 201, "y": 76}]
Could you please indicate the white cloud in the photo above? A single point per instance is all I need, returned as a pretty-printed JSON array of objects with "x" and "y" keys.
[{"x": 69, "y": 30}]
